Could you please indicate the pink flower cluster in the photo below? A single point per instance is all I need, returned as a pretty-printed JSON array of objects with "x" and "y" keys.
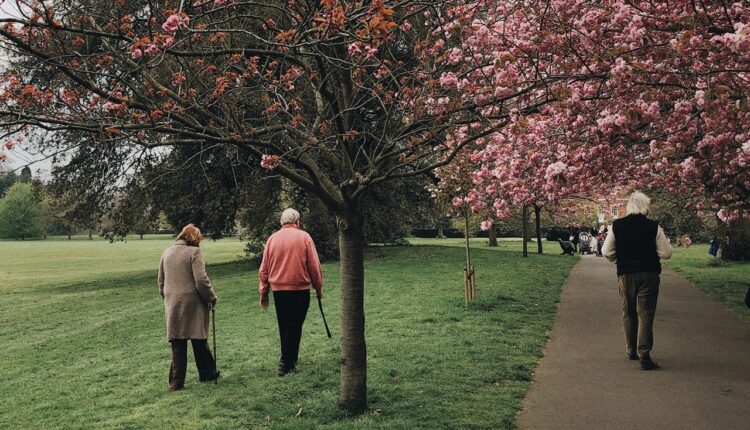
[
  {"x": 175, "y": 22},
  {"x": 270, "y": 162}
]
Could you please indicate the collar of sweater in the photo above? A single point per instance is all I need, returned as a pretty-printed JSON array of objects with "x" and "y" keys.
[{"x": 290, "y": 226}]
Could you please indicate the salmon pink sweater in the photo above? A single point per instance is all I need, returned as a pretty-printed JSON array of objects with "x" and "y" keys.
[{"x": 290, "y": 262}]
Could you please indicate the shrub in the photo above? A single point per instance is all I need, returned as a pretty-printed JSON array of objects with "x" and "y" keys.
[{"x": 254, "y": 251}]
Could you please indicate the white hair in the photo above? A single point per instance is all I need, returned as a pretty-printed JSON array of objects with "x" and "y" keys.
[
  {"x": 289, "y": 216},
  {"x": 638, "y": 203}
]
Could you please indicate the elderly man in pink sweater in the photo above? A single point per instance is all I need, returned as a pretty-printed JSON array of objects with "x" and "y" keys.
[{"x": 290, "y": 265}]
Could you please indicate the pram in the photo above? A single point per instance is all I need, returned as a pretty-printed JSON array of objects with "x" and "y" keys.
[
  {"x": 567, "y": 247},
  {"x": 584, "y": 243}
]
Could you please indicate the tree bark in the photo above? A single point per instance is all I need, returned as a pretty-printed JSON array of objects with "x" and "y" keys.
[
  {"x": 736, "y": 240},
  {"x": 141, "y": 235},
  {"x": 538, "y": 221},
  {"x": 493, "y": 236},
  {"x": 91, "y": 234},
  {"x": 353, "y": 394},
  {"x": 440, "y": 233},
  {"x": 70, "y": 237},
  {"x": 525, "y": 230}
]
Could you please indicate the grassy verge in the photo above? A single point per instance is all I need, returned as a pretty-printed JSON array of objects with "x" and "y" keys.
[
  {"x": 85, "y": 348},
  {"x": 727, "y": 282}
]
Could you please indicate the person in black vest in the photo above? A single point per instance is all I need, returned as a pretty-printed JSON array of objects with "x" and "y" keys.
[{"x": 636, "y": 244}]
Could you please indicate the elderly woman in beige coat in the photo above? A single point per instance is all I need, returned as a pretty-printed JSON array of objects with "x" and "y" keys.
[{"x": 187, "y": 293}]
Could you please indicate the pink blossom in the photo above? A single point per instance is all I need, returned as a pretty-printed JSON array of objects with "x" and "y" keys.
[
  {"x": 136, "y": 54},
  {"x": 455, "y": 56},
  {"x": 151, "y": 49},
  {"x": 270, "y": 162},
  {"x": 370, "y": 52},
  {"x": 486, "y": 225},
  {"x": 555, "y": 169},
  {"x": 354, "y": 49},
  {"x": 448, "y": 80},
  {"x": 175, "y": 22}
]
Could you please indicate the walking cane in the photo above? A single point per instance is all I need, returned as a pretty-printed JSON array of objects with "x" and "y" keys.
[
  {"x": 213, "y": 326},
  {"x": 320, "y": 305}
]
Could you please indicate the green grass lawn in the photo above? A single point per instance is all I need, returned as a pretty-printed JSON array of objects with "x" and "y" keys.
[
  {"x": 727, "y": 282},
  {"x": 84, "y": 331}
]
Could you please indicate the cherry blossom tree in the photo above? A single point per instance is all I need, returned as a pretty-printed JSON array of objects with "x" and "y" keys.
[{"x": 637, "y": 94}]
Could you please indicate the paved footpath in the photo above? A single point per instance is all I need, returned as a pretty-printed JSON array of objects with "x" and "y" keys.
[{"x": 585, "y": 381}]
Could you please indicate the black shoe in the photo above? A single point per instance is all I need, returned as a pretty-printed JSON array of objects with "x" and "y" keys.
[
  {"x": 633, "y": 356},
  {"x": 648, "y": 364},
  {"x": 283, "y": 370},
  {"x": 215, "y": 377}
]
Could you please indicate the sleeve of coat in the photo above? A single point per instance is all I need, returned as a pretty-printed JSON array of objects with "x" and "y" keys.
[
  {"x": 313, "y": 265},
  {"x": 160, "y": 277},
  {"x": 202, "y": 283},
  {"x": 608, "y": 249},
  {"x": 663, "y": 247},
  {"x": 263, "y": 285}
]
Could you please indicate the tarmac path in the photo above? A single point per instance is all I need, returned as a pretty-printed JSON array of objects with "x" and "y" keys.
[{"x": 584, "y": 380}]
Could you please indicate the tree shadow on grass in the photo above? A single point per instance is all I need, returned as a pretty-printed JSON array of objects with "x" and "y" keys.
[{"x": 146, "y": 279}]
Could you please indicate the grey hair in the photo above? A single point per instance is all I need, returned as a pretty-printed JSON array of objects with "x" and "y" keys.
[
  {"x": 289, "y": 216},
  {"x": 638, "y": 203}
]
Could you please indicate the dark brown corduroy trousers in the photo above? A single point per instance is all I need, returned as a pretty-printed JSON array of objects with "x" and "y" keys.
[
  {"x": 204, "y": 361},
  {"x": 639, "y": 293}
]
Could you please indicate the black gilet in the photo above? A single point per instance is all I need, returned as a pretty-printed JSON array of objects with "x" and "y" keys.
[{"x": 635, "y": 245}]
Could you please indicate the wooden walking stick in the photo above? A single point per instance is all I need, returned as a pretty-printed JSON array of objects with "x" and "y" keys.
[
  {"x": 320, "y": 305},
  {"x": 216, "y": 360}
]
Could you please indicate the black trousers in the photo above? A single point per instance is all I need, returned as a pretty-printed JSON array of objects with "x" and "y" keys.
[
  {"x": 291, "y": 311},
  {"x": 204, "y": 361}
]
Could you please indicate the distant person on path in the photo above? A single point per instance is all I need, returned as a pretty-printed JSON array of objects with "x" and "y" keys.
[
  {"x": 574, "y": 238},
  {"x": 187, "y": 293},
  {"x": 290, "y": 264},
  {"x": 636, "y": 244}
]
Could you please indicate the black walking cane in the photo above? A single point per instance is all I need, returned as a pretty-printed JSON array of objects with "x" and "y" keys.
[
  {"x": 216, "y": 360},
  {"x": 320, "y": 305}
]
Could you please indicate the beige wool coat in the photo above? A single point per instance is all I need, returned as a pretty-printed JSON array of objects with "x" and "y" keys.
[{"x": 184, "y": 285}]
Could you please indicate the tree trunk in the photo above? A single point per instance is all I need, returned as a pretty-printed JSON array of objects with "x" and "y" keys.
[
  {"x": 538, "y": 221},
  {"x": 353, "y": 394},
  {"x": 91, "y": 234},
  {"x": 493, "y": 236},
  {"x": 525, "y": 230},
  {"x": 440, "y": 233},
  {"x": 141, "y": 235},
  {"x": 736, "y": 241},
  {"x": 70, "y": 237}
]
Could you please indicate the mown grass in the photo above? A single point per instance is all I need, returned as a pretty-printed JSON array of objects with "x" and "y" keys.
[
  {"x": 726, "y": 281},
  {"x": 84, "y": 341}
]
